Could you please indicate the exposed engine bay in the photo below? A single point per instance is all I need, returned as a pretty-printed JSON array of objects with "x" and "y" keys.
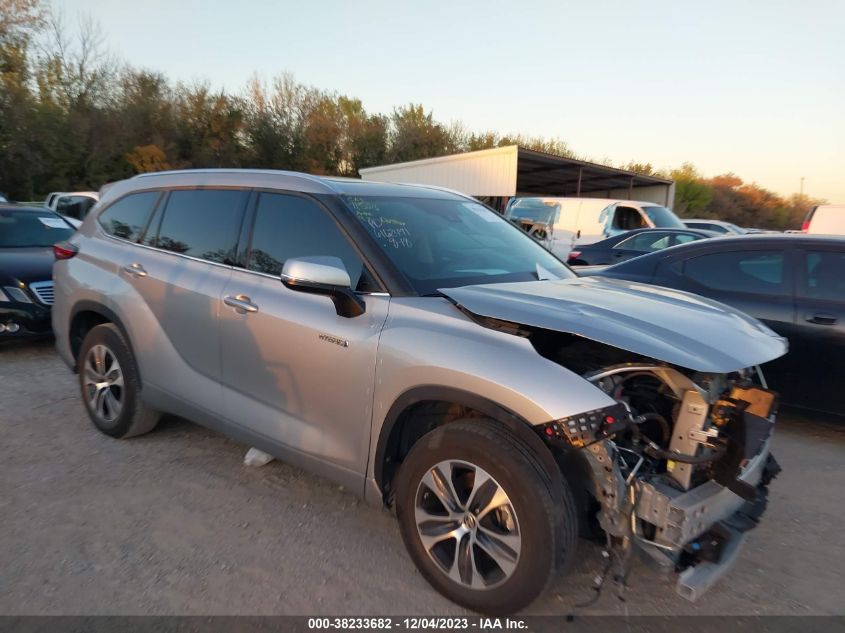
[
  {"x": 677, "y": 468},
  {"x": 679, "y": 465}
]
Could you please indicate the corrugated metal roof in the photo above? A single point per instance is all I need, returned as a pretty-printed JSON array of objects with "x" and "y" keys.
[{"x": 504, "y": 171}]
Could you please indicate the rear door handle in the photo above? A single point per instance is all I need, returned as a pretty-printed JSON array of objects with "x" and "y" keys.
[
  {"x": 136, "y": 270},
  {"x": 821, "y": 319},
  {"x": 241, "y": 303}
]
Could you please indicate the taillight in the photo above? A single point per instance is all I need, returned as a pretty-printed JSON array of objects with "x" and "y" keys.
[
  {"x": 806, "y": 226},
  {"x": 64, "y": 250},
  {"x": 574, "y": 254}
]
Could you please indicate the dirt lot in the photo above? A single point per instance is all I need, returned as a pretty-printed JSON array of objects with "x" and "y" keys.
[{"x": 174, "y": 523}]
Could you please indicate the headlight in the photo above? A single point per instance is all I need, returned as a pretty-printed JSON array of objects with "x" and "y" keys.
[
  {"x": 17, "y": 294},
  {"x": 588, "y": 427}
]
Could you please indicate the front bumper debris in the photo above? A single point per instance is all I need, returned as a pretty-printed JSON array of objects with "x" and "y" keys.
[{"x": 700, "y": 532}]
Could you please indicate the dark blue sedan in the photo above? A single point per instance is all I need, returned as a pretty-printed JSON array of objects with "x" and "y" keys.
[
  {"x": 27, "y": 235},
  {"x": 795, "y": 284},
  {"x": 620, "y": 248}
]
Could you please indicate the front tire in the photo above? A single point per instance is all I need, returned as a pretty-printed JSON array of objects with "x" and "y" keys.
[
  {"x": 108, "y": 380},
  {"x": 483, "y": 520}
]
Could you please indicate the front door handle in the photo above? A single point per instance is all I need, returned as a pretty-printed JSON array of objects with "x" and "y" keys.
[
  {"x": 241, "y": 303},
  {"x": 821, "y": 319},
  {"x": 136, "y": 270}
]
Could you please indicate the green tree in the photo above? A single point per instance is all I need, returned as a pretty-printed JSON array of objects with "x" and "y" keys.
[
  {"x": 415, "y": 134},
  {"x": 20, "y": 21},
  {"x": 365, "y": 137},
  {"x": 692, "y": 193}
]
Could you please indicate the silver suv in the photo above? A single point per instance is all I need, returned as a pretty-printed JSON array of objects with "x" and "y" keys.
[{"x": 415, "y": 347}]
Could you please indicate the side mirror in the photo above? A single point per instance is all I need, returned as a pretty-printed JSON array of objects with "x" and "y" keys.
[{"x": 323, "y": 275}]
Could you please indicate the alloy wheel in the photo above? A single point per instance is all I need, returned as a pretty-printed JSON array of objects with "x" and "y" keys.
[
  {"x": 467, "y": 524},
  {"x": 103, "y": 381}
]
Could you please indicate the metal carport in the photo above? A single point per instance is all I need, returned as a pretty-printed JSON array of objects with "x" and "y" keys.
[{"x": 495, "y": 175}]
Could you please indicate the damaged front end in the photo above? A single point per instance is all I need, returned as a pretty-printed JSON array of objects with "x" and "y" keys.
[{"x": 679, "y": 466}]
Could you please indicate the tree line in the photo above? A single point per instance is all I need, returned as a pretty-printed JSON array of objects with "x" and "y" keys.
[{"x": 73, "y": 117}]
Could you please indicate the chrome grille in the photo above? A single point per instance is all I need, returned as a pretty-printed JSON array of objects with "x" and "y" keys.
[{"x": 43, "y": 291}]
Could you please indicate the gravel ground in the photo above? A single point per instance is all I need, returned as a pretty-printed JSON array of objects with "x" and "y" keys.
[{"x": 174, "y": 523}]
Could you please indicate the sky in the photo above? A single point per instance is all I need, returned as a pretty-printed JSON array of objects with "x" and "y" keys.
[{"x": 751, "y": 87}]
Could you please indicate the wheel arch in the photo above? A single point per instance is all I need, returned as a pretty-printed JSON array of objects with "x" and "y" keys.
[
  {"x": 86, "y": 315},
  {"x": 421, "y": 409}
]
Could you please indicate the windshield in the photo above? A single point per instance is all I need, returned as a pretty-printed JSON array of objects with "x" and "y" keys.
[
  {"x": 533, "y": 210},
  {"x": 439, "y": 243},
  {"x": 20, "y": 228},
  {"x": 663, "y": 218}
]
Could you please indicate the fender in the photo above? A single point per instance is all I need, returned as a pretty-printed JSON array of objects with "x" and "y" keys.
[{"x": 486, "y": 406}]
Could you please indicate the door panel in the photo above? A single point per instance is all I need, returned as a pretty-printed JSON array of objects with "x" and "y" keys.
[
  {"x": 293, "y": 370},
  {"x": 818, "y": 344},
  {"x": 183, "y": 294},
  {"x": 181, "y": 277},
  {"x": 298, "y": 373}
]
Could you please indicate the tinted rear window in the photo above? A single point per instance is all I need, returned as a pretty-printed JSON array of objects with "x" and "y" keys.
[
  {"x": 755, "y": 272},
  {"x": 127, "y": 217},
  {"x": 202, "y": 223},
  {"x": 824, "y": 276}
]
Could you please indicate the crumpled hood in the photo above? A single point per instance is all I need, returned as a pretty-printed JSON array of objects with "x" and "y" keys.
[{"x": 668, "y": 325}]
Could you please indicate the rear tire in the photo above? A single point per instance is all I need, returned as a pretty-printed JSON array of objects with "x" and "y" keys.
[
  {"x": 483, "y": 520},
  {"x": 108, "y": 380}
]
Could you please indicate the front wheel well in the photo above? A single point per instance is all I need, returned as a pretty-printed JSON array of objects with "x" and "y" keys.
[{"x": 412, "y": 417}]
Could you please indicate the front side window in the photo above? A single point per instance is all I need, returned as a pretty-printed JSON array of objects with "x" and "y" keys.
[
  {"x": 627, "y": 219},
  {"x": 646, "y": 242},
  {"x": 202, "y": 223},
  {"x": 824, "y": 276},
  {"x": 76, "y": 207},
  {"x": 755, "y": 272},
  {"x": 533, "y": 210},
  {"x": 447, "y": 243},
  {"x": 127, "y": 217},
  {"x": 684, "y": 238},
  {"x": 288, "y": 226}
]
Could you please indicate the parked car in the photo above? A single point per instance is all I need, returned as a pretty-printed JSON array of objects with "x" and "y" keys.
[
  {"x": 825, "y": 219},
  {"x": 73, "y": 205},
  {"x": 633, "y": 244},
  {"x": 27, "y": 236},
  {"x": 415, "y": 347},
  {"x": 717, "y": 226},
  {"x": 49, "y": 201},
  {"x": 795, "y": 284},
  {"x": 561, "y": 223}
]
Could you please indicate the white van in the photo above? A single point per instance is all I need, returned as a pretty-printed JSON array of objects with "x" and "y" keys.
[
  {"x": 560, "y": 223},
  {"x": 825, "y": 219}
]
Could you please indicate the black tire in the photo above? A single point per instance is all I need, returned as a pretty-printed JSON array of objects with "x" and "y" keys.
[
  {"x": 541, "y": 501},
  {"x": 132, "y": 417}
]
